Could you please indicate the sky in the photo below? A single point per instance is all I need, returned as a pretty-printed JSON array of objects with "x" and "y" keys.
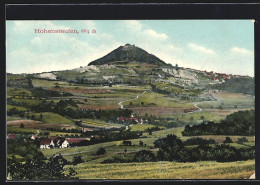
[{"x": 225, "y": 46}]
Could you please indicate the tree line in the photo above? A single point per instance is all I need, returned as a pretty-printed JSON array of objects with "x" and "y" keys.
[
  {"x": 172, "y": 148},
  {"x": 238, "y": 123}
]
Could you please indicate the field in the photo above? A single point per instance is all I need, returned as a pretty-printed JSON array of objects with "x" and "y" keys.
[
  {"x": 227, "y": 100},
  {"x": 50, "y": 117},
  {"x": 47, "y": 83},
  {"x": 163, "y": 133},
  {"x": 221, "y": 138},
  {"x": 167, "y": 170},
  {"x": 19, "y": 108},
  {"x": 21, "y": 130},
  {"x": 197, "y": 117},
  {"x": 18, "y": 92},
  {"x": 30, "y": 102},
  {"x": 142, "y": 127},
  {"x": 151, "y": 98},
  {"x": 99, "y": 123},
  {"x": 48, "y": 120}
]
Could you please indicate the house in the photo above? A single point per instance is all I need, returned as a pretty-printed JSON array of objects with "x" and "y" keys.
[
  {"x": 35, "y": 137},
  {"x": 47, "y": 143},
  {"x": 74, "y": 140},
  {"x": 84, "y": 129},
  {"x": 64, "y": 144},
  {"x": 128, "y": 119},
  {"x": 11, "y": 136}
]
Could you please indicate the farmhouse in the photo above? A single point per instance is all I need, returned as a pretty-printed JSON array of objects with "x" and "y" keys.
[
  {"x": 35, "y": 137},
  {"x": 64, "y": 144},
  {"x": 86, "y": 129},
  {"x": 11, "y": 136},
  {"x": 47, "y": 143},
  {"x": 72, "y": 141}
]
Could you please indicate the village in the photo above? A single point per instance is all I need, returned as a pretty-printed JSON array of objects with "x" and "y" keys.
[{"x": 52, "y": 142}]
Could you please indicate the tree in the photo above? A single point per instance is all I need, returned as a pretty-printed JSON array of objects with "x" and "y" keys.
[
  {"x": 228, "y": 140},
  {"x": 37, "y": 169},
  {"x": 241, "y": 140},
  {"x": 169, "y": 147},
  {"x": 144, "y": 156},
  {"x": 101, "y": 151},
  {"x": 141, "y": 143},
  {"x": 127, "y": 143},
  {"x": 142, "y": 103},
  {"x": 21, "y": 125},
  {"x": 76, "y": 160},
  {"x": 176, "y": 67},
  {"x": 41, "y": 116},
  {"x": 33, "y": 116}
]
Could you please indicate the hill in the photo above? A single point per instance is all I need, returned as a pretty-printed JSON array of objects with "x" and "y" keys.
[
  {"x": 128, "y": 53},
  {"x": 131, "y": 65}
]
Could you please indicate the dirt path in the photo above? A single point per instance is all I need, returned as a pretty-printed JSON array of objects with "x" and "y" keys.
[
  {"x": 121, "y": 103},
  {"x": 200, "y": 109}
]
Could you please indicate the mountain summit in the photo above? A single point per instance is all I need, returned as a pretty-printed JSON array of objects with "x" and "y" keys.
[{"x": 128, "y": 53}]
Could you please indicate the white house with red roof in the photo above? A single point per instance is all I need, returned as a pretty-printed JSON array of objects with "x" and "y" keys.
[
  {"x": 35, "y": 137},
  {"x": 65, "y": 144},
  {"x": 11, "y": 136},
  {"x": 47, "y": 143}
]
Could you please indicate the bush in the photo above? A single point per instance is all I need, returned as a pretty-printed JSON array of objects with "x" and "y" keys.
[
  {"x": 37, "y": 169},
  {"x": 144, "y": 156},
  {"x": 242, "y": 140},
  {"x": 170, "y": 148},
  {"x": 101, "y": 151},
  {"x": 238, "y": 123},
  {"x": 76, "y": 160},
  {"x": 228, "y": 140},
  {"x": 198, "y": 141},
  {"x": 226, "y": 153},
  {"x": 21, "y": 125}
]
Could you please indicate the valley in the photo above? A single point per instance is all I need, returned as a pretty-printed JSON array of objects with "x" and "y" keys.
[{"x": 110, "y": 114}]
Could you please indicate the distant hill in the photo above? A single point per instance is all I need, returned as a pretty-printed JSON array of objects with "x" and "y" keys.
[
  {"x": 131, "y": 65},
  {"x": 238, "y": 85},
  {"x": 128, "y": 53}
]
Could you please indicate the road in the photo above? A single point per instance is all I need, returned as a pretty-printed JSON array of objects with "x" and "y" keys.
[
  {"x": 200, "y": 109},
  {"x": 121, "y": 103}
]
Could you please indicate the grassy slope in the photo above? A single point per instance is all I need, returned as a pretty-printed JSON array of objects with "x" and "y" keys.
[
  {"x": 230, "y": 100},
  {"x": 22, "y": 130},
  {"x": 143, "y": 127},
  {"x": 50, "y": 117},
  {"x": 116, "y": 147},
  {"x": 98, "y": 123},
  {"x": 167, "y": 170},
  {"x": 197, "y": 116},
  {"x": 19, "y": 108},
  {"x": 160, "y": 100},
  {"x": 29, "y": 102},
  {"x": 35, "y": 131},
  {"x": 47, "y": 83}
]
